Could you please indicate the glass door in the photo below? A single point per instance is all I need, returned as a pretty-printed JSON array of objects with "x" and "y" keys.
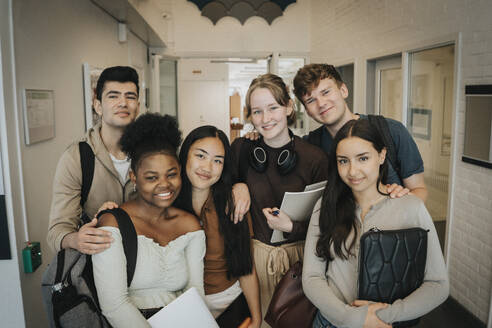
[
  {"x": 167, "y": 87},
  {"x": 429, "y": 117},
  {"x": 389, "y": 88}
]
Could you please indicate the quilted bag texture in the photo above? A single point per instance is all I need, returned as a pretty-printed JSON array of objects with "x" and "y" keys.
[{"x": 391, "y": 265}]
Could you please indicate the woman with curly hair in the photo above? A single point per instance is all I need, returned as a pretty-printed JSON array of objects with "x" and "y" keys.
[
  {"x": 171, "y": 244},
  {"x": 231, "y": 283},
  {"x": 355, "y": 201}
]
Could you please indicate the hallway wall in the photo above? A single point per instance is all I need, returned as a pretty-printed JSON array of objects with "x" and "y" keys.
[
  {"x": 193, "y": 35},
  {"x": 355, "y": 31},
  {"x": 11, "y": 305},
  {"x": 52, "y": 39}
]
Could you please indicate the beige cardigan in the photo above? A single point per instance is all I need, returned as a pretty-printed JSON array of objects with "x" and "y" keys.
[
  {"x": 333, "y": 290},
  {"x": 106, "y": 186}
]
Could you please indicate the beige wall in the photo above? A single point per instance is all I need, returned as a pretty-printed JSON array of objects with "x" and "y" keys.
[
  {"x": 52, "y": 39},
  {"x": 355, "y": 31},
  {"x": 11, "y": 306},
  {"x": 195, "y": 35}
]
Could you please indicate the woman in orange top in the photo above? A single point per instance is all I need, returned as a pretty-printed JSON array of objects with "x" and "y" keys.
[{"x": 230, "y": 280}]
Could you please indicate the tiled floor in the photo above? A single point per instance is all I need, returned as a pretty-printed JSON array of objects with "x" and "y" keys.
[
  {"x": 441, "y": 232},
  {"x": 450, "y": 315}
]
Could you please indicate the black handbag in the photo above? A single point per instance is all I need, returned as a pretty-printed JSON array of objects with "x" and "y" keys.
[{"x": 391, "y": 265}]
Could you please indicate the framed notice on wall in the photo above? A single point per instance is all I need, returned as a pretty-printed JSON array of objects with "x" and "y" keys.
[
  {"x": 39, "y": 115},
  {"x": 421, "y": 122}
]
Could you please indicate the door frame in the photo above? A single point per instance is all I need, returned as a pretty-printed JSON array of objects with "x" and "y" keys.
[{"x": 381, "y": 64}]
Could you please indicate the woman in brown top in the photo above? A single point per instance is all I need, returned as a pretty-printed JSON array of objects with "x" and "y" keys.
[
  {"x": 230, "y": 280},
  {"x": 278, "y": 162}
]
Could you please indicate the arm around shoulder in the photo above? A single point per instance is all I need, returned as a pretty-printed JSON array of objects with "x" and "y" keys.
[
  {"x": 415, "y": 183},
  {"x": 409, "y": 158},
  {"x": 90, "y": 239},
  {"x": 65, "y": 203}
]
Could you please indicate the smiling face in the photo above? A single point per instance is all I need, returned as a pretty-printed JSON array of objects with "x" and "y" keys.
[
  {"x": 158, "y": 179},
  {"x": 119, "y": 104},
  {"x": 326, "y": 103},
  {"x": 358, "y": 164},
  {"x": 269, "y": 117},
  {"x": 205, "y": 162}
]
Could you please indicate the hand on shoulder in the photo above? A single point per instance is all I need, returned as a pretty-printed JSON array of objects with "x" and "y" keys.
[
  {"x": 89, "y": 239},
  {"x": 396, "y": 191}
]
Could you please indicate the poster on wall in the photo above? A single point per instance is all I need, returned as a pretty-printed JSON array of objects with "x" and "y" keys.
[
  {"x": 39, "y": 115},
  {"x": 90, "y": 75}
]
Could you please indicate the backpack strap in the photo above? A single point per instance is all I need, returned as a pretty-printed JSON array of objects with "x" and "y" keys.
[
  {"x": 87, "y": 164},
  {"x": 129, "y": 239},
  {"x": 60, "y": 264},
  {"x": 382, "y": 125},
  {"x": 314, "y": 137}
]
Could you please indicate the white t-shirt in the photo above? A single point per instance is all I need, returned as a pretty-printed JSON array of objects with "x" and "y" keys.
[{"x": 122, "y": 166}]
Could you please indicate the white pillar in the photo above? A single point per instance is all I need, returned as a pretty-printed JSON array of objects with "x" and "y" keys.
[{"x": 155, "y": 90}]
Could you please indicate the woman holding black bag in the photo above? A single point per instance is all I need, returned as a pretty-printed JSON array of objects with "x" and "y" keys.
[{"x": 354, "y": 202}]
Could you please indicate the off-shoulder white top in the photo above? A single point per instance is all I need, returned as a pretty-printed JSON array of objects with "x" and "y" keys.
[{"x": 162, "y": 273}]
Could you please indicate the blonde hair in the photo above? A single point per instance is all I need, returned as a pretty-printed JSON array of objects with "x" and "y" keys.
[{"x": 279, "y": 90}]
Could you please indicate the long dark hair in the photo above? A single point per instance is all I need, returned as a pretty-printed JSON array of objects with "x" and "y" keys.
[
  {"x": 236, "y": 236},
  {"x": 337, "y": 217}
]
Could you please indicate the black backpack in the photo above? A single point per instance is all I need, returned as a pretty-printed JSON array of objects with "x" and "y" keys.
[
  {"x": 314, "y": 137},
  {"x": 67, "y": 287}
]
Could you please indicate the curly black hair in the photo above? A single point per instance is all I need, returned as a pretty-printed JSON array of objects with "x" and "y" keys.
[{"x": 150, "y": 133}]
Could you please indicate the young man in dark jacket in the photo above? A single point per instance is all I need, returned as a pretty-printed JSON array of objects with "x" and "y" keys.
[{"x": 320, "y": 88}]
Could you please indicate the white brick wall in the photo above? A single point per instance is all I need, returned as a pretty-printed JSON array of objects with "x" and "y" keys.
[{"x": 358, "y": 30}]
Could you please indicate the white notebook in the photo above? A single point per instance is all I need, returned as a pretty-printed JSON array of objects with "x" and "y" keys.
[
  {"x": 299, "y": 205},
  {"x": 188, "y": 310}
]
